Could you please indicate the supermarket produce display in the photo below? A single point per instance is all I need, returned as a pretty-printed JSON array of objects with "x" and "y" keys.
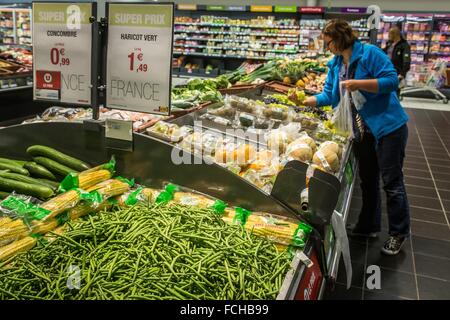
[
  {"x": 93, "y": 191},
  {"x": 279, "y": 131},
  {"x": 15, "y": 48},
  {"x": 239, "y": 185}
]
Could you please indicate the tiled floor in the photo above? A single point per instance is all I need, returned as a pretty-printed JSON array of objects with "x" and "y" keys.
[{"x": 422, "y": 269}]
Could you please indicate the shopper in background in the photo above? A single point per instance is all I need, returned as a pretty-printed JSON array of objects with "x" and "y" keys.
[
  {"x": 399, "y": 52},
  {"x": 380, "y": 129}
]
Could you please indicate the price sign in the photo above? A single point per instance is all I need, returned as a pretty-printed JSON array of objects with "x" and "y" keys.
[
  {"x": 119, "y": 129},
  {"x": 139, "y": 58},
  {"x": 62, "y": 42}
]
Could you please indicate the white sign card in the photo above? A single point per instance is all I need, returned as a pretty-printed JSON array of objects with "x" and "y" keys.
[
  {"x": 62, "y": 45},
  {"x": 139, "y": 57}
]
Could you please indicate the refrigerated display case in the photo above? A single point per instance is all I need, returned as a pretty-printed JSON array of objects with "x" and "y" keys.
[{"x": 15, "y": 48}]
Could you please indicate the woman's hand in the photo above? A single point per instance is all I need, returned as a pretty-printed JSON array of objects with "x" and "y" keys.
[
  {"x": 310, "y": 102},
  {"x": 368, "y": 85},
  {"x": 351, "y": 85}
]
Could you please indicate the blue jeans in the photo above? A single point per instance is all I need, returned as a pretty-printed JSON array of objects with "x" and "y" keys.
[{"x": 385, "y": 160}]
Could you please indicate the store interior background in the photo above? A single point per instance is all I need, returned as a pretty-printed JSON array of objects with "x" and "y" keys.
[{"x": 385, "y": 5}]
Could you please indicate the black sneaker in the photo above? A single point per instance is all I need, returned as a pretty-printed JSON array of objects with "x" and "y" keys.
[
  {"x": 353, "y": 231},
  {"x": 393, "y": 245}
]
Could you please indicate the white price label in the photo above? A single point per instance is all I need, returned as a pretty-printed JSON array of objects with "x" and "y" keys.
[
  {"x": 62, "y": 42},
  {"x": 139, "y": 59},
  {"x": 119, "y": 129}
]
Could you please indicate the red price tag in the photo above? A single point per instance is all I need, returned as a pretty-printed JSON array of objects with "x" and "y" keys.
[{"x": 48, "y": 80}]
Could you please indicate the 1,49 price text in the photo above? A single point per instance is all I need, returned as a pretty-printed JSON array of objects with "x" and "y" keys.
[{"x": 140, "y": 67}]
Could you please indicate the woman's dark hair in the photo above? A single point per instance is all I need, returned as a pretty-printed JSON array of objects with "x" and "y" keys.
[{"x": 341, "y": 33}]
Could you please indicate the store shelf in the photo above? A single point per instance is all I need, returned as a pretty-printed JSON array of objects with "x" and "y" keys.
[
  {"x": 202, "y": 54},
  {"x": 286, "y": 35},
  {"x": 235, "y": 40},
  {"x": 444, "y": 54},
  {"x": 231, "y": 48},
  {"x": 16, "y": 88},
  {"x": 203, "y": 24},
  {"x": 445, "y": 43},
  {"x": 421, "y": 32}
]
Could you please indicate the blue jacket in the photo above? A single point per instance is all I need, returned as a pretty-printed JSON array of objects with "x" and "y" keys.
[{"x": 382, "y": 112}]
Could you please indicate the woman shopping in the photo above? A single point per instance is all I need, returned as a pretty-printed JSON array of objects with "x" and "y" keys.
[{"x": 380, "y": 129}]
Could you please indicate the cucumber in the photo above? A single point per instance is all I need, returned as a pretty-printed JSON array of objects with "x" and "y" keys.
[
  {"x": 39, "y": 171},
  {"x": 25, "y": 188},
  {"x": 53, "y": 184},
  {"x": 19, "y": 163},
  {"x": 54, "y": 166},
  {"x": 57, "y": 156},
  {"x": 182, "y": 104},
  {"x": 19, "y": 177},
  {"x": 3, "y": 195},
  {"x": 14, "y": 168}
]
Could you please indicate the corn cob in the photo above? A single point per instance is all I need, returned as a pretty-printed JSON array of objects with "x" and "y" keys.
[
  {"x": 4, "y": 220},
  {"x": 191, "y": 199},
  {"x": 13, "y": 231},
  {"x": 61, "y": 203},
  {"x": 89, "y": 179},
  {"x": 110, "y": 188},
  {"x": 257, "y": 223},
  {"x": 16, "y": 247},
  {"x": 53, "y": 235},
  {"x": 86, "y": 208},
  {"x": 145, "y": 195},
  {"x": 42, "y": 227},
  {"x": 150, "y": 195}
]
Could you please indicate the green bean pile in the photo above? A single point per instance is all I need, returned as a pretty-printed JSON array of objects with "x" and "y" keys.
[{"x": 155, "y": 251}]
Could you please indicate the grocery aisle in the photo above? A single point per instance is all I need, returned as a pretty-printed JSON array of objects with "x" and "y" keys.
[{"x": 420, "y": 271}]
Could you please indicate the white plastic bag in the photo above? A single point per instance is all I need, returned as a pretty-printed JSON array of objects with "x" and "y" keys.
[
  {"x": 342, "y": 114},
  {"x": 342, "y": 244},
  {"x": 358, "y": 99}
]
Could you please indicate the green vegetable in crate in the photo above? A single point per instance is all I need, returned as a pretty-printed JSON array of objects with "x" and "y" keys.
[
  {"x": 276, "y": 111},
  {"x": 181, "y": 104},
  {"x": 54, "y": 166},
  {"x": 19, "y": 163},
  {"x": 26, "y": 179},
  {"x": 296, "y": 96},
  {"x": 34, "y": 190},
  {"x": 180, "y": 253},
  {"x": 47, "y": 152},
  {"x": 212, "y": 96},
  {"x": 54, "y": 185},
  {"x": 39, "y": 171},
  {"x": 246, "y": 119},
  {"x": 14, "y": 168},
  {"x": 222, "y": 82}
]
